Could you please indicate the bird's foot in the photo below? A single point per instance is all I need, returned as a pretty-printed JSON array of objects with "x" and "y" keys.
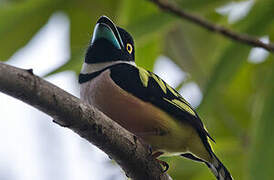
[
  {"x": 154, "y": 155},
  {"x": 163, "y": 163}
]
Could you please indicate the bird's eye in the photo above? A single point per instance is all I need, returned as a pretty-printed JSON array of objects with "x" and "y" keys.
[{"x": 129, "y": 48}]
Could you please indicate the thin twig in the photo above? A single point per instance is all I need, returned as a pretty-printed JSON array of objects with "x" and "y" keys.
[{"x": 243, "y": 38}]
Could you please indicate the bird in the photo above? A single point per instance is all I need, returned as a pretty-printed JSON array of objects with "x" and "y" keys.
[{"x": 140, "y": 101}]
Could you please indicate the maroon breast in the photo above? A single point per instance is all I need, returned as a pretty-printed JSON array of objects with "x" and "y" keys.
[{"x": 130, "y": 112}]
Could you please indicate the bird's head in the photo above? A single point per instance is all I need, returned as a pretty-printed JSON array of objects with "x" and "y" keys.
[{"x": 109, "y": 43}]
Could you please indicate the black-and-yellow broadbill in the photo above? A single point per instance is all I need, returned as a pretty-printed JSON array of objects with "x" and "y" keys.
[{"x": 141, "y": 101}]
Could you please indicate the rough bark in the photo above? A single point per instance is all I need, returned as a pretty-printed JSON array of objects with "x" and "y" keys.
[{"x": 68, "y": 111}]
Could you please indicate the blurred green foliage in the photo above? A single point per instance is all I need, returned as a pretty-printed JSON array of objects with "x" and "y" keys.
[{"x": 238, "y": 96}]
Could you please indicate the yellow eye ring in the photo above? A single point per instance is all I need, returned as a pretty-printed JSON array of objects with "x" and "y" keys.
[{"x": 129, "y": 48}]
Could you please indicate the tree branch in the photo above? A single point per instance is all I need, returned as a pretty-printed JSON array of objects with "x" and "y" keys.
[
  {"x": 68, "y": 111},
  {"x": 243, "y": 38}
]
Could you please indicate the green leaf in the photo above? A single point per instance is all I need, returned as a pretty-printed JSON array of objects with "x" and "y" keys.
[
  {"x": 83, "y": 20},
  {"x": 145, "y": 25},
  {"x": 147, "y": 53},
  {"x": 149, "y": 26},
  {"x": 206, "y": 5},
  {"x": 20, "y": 22},
  {"x": 232, "y": 59},
  {"x": 261, "y": 153}
]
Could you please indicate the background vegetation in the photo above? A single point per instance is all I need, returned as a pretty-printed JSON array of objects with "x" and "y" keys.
[{"x": 238, "y": 94}]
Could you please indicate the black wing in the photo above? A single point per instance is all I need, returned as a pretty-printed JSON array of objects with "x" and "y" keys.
[{"x": 151, "y": 88}]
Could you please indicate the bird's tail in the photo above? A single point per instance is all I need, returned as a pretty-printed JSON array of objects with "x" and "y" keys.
[{"x": 218, "y": 169}]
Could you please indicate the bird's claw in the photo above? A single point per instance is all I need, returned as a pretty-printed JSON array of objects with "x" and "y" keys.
[{"x": 163, "y": 163}]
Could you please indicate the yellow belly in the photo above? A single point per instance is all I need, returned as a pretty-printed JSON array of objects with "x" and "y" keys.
[{"x": 153, "y": 125}]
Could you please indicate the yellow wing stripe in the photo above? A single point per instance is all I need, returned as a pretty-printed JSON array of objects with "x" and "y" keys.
[
  {"x": 181, "y": 105},
  {"x": 176, "y": 94},
  {"x": 184, "y": 106},
  {"x": 182, "y": 99},
  {"x": 144, "y": 76},
  {"x": 160, "y": 82},
  {"x": 208, "y": 139},
  {"x": 172, "y": 90}
]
